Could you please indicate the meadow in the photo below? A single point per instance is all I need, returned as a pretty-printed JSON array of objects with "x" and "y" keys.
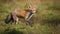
[{"x": 45, "y": 21}]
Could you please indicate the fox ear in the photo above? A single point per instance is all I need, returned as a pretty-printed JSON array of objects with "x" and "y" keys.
[{"x": 29, "y": 6}]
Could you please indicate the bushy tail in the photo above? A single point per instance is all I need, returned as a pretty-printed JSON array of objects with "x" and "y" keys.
[{"x": 8, "y": 18}]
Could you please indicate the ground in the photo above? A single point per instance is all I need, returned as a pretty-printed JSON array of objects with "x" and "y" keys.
[{"x": 45, "y": 21}]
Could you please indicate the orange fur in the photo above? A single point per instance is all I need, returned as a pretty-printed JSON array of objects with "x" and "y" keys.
[{"x": 21, "y": 13}]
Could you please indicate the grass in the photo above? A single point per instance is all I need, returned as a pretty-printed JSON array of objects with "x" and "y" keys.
[{"x": 45, "y": 21}]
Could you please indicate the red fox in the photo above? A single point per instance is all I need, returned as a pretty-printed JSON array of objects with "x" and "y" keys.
[{"x": 25, "y": 13}]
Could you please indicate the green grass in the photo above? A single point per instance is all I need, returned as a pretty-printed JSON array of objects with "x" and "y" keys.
[
  {"x": 45, "y": 21},
  {"x": 54, "y": 7}
]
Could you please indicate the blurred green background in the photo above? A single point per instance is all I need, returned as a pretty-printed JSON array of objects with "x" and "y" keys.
[{"x": 45, "y": 21}]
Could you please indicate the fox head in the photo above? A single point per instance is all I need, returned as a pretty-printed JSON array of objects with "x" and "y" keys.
[{"x": 32, "y": 9}]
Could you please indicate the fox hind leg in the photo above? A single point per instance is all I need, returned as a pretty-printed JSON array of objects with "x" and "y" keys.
[
  {"x": 16, "y": 21},
  {"x": 15, "y": 18}
]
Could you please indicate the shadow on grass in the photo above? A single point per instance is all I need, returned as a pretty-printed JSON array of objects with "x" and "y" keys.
[
  {"x": 50, "y": 21},
  {"x": 54, "y": 21},
  {"x": 12, "y": 31}
]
